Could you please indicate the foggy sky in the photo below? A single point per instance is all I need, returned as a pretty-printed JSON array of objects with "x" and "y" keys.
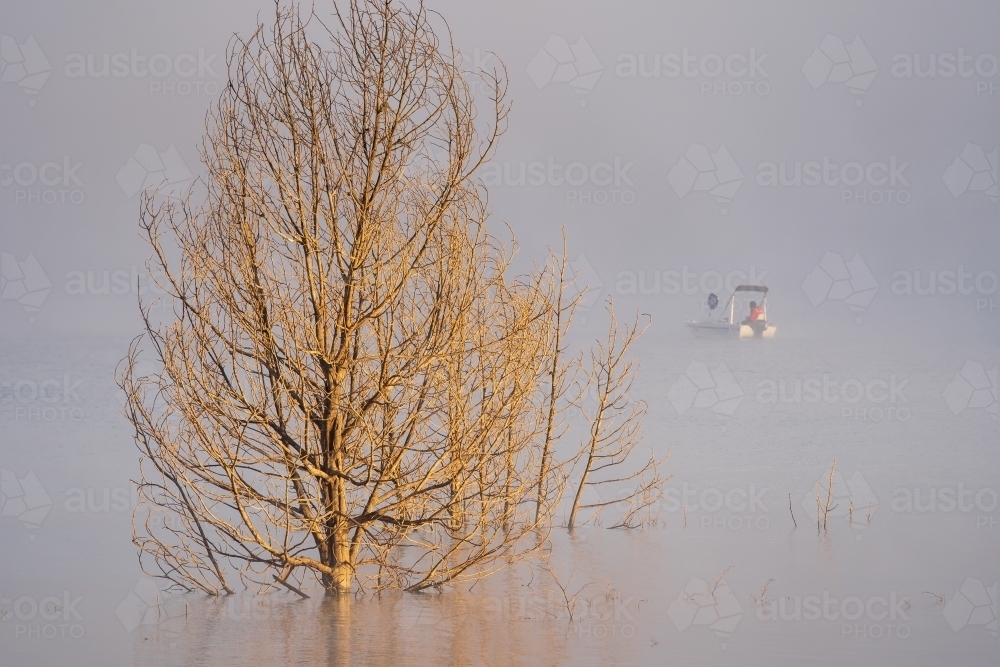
[{"x": 772, "y": 104}]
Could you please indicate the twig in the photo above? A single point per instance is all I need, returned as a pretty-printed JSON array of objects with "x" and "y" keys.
[
  {"x": 938, "y": 599},
  {"x": 718, "y": 579},
  {"x": 819, "y": 510},
  {"x": 763, "y": 591},
  {"x": 829, "y": 494},
  {"x": 289, "y": 586},
  {"x": 570, "y": 601}
]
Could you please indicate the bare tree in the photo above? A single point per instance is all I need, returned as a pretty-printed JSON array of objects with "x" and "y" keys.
[
  {"x": 823, "y": 509},
  {"x": 560, "y": 375},
  {"x": 353, "y": 391},
  {"x": 615, "y": 420}
]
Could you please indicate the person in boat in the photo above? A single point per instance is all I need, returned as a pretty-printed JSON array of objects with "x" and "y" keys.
[{"x": 754, "y": 312}]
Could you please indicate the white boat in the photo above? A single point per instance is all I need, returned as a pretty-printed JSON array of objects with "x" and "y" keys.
[{"x": 726, "y": 325}]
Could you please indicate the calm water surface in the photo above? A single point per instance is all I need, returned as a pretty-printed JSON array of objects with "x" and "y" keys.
[{"x": 734, "y": 572}]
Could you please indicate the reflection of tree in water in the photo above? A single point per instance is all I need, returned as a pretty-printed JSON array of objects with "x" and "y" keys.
[{"x": 456, "y": 627}]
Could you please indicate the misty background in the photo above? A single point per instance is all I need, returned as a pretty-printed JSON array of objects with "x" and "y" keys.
[
  {"x": 593, "y": 85},
  {"x": 685, "y": 147}
]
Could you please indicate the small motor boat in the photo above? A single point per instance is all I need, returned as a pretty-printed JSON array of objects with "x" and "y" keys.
[{"x": 726, "y": 325}]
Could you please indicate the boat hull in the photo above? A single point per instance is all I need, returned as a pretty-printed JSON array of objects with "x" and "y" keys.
[{"x": 727, "y": 330}]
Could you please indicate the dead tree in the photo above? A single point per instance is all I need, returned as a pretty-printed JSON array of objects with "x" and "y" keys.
[
  {"x": 350, "y": 392},
  {"x": 560, "y": 376},
  {"x": 614, "y": 421}
]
